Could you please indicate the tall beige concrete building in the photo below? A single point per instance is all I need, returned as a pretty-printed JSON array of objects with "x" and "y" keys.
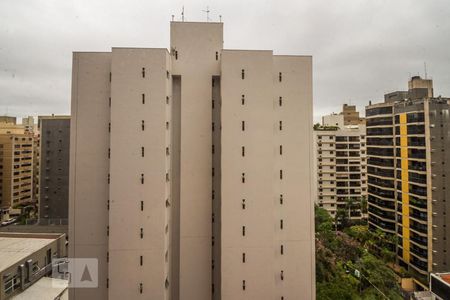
[{"x": 190, "y": 170}]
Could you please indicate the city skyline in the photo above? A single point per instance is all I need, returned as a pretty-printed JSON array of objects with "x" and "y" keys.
[{"x": 384, "y": 52}]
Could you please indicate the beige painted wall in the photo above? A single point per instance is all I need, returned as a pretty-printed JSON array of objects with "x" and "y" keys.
[
  {"x": 89, "y": 165},
  {"x": 126, "y": 166},
  {"x": 176, "y": 242},
  {"x": 261, "y": 164},
  {"x": 196, "y": 45}
]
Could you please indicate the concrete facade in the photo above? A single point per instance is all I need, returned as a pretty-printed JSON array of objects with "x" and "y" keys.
[
  {"x": 208, "y": 143},
  {"x": 54, "y": 169}
]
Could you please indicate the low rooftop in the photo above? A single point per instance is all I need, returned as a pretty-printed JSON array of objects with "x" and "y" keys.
[{"x": 15, "y": 247}]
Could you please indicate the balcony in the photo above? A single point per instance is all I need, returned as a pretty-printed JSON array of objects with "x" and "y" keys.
[
  {"x": 354, "y": 169},
  {"x": 422, "y": 241},
  {"x": 341, "y": 146},
  {"x": 382, "y": 224},
  {"x": 419, "y": 227},
  {"x": 419, "y": 252},
  {"x": 416, "y": 129},
  {"x": 417, "y": 165},
  {"x": 387, "y": 110},
  {"x": 416, "y": 141},
  {"x": 379, "y": 121},
  {"x": 354, "y": 154},
  {"x": 418, "y": 190},
  {"x": 413, "y": 201},
  {"x": 380, "y": 141},
  {"x": 384, "y": 162},
  {"x": 417, "y": 153},
  {"x": 381, "y": 203},
  {"x": 381, "y": 182},
  {"x": 421, "y": 265},
  {"x": 381, "y": 192},
  {"x": 384, "y": 214},
  {"x": 380, "y": 172},
  {"x": 380, "y": 151},
  {"x": 341, "y": 169},
  {"x": 341, "y": 154},
  {"x": 415, "y": 117},
  {"x": 417, "y": 178},
  {"x": 420, "y": 216},
  {"x": 387, "y": 131},
  {"x": 342, "y": 192},
  {"x": 355, "y": 176}
]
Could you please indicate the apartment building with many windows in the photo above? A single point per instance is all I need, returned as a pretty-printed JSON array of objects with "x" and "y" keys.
[
  {"x": 54, "y": 169},
  {"x": 16, "y": 165},
  {"x": 407, "y": 169},
  {"x": 195, "y": 182},
  {"x": 340, "y": 170}
]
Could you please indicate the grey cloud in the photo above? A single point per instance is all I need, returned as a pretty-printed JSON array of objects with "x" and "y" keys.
[{"x": 361, "y": 49}]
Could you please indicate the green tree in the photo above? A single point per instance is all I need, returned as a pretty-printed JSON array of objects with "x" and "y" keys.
[{"x": 339, "y": 253}]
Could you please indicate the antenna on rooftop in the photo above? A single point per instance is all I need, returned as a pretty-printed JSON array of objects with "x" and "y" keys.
[
  {"x": 182, "y": 14},
  {"x": 207, "y": 11},
  {"x": 425, "y": 67},
  {"x": 220, "y": 18}
]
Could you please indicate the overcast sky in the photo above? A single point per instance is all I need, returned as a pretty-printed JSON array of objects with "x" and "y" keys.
[{"x": 361, "y": 48}]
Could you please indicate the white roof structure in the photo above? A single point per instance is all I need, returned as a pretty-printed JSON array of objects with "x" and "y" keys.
[
  {"x": 45, "y": 288},
  {"x": 14, "y": 249}
]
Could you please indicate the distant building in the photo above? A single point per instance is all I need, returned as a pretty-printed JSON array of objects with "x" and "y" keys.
[
  {"x": 25, "y": 258},
  {"x": 54, "y": 169},
  {"x": 16, "y": 165},
  {"x": 336, "y": 120},
  {"x": 408, "y": 175},
  {"x": 340, "y": 167},
  {"x": 8, "y": 120},
  {"x": 348, "y": 116}
]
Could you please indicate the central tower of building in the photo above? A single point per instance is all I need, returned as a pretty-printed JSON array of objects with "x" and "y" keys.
[{"x": 191, "y": 170}]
